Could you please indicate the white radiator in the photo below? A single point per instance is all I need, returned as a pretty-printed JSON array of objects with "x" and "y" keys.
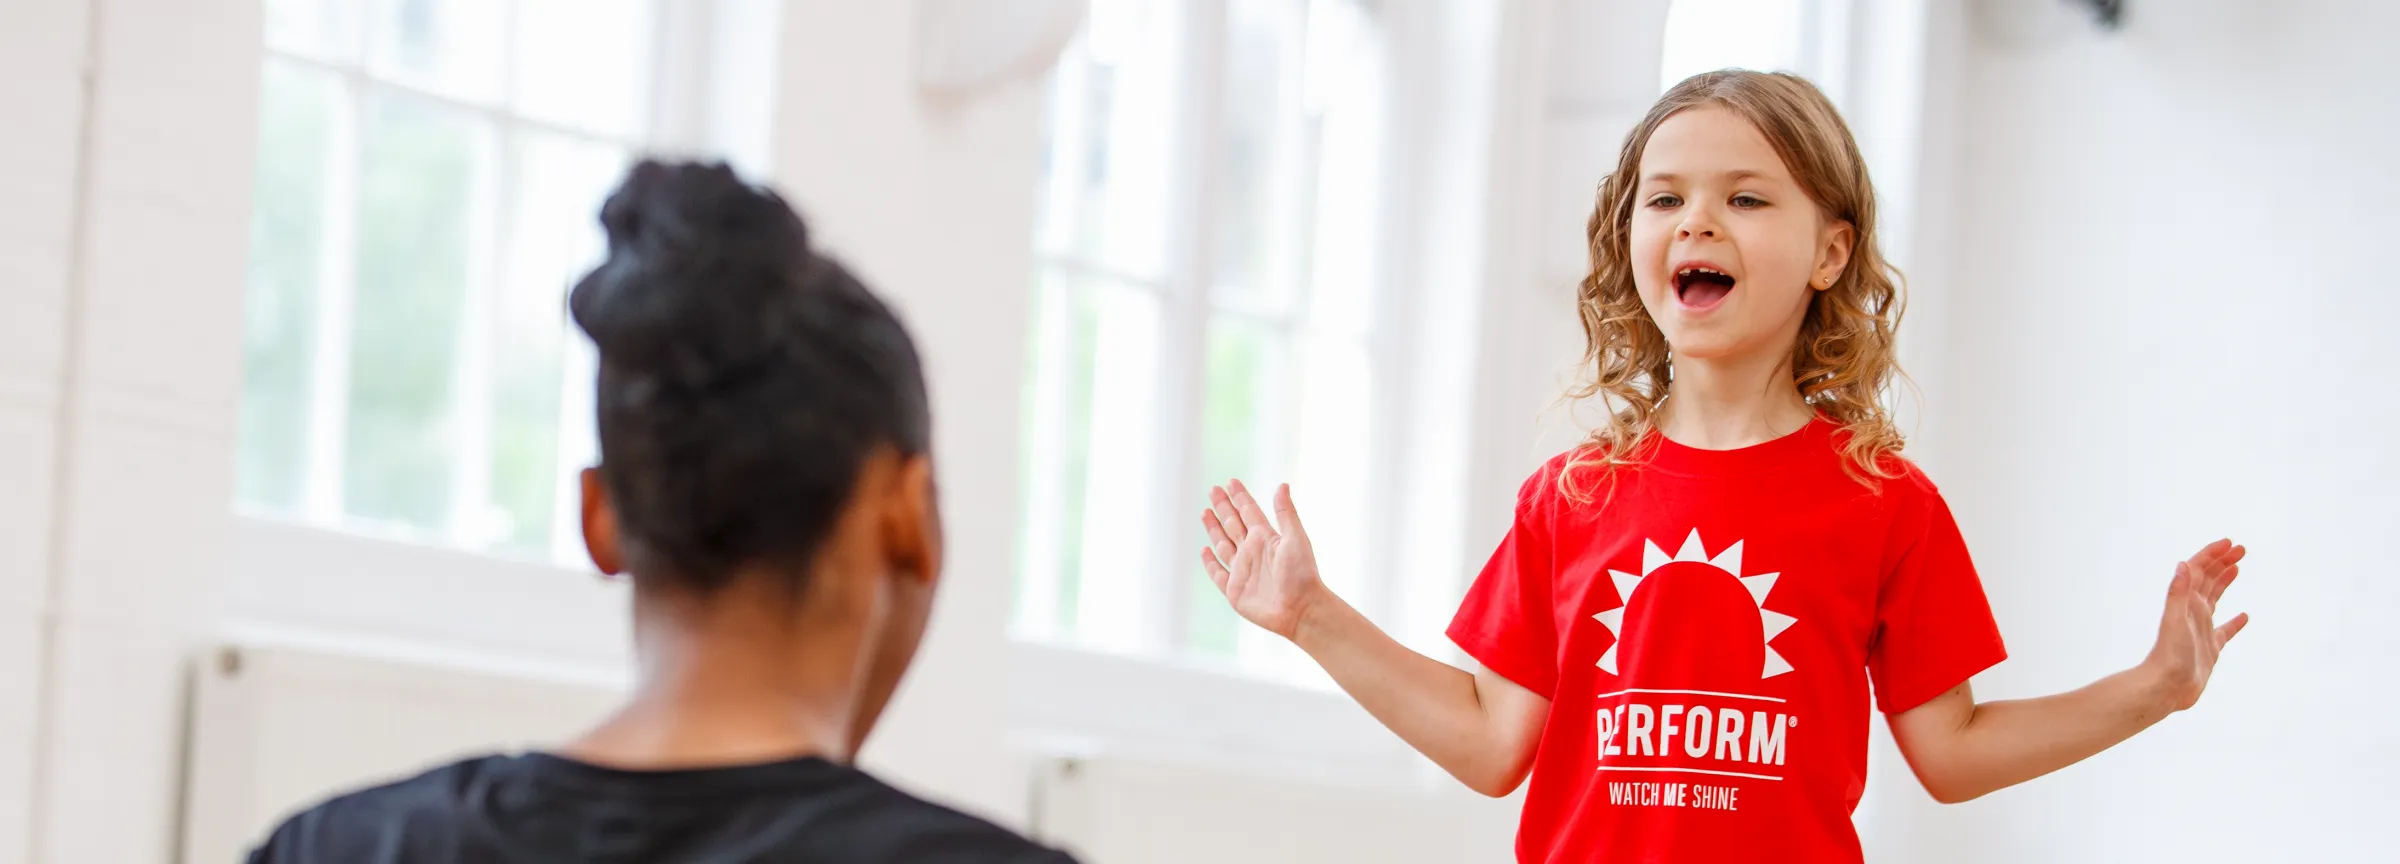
[
  {"x": 1117, "y": 811},
  {"x": 274, "y": 730}
]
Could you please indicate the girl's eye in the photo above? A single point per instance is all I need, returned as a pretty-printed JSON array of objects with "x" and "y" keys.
[
  {"x": 1666, "y": 202},
  {"x": 1748, "y": 201}
]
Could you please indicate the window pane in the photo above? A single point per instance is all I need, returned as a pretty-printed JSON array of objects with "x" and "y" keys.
[
  {"x": 584, "y": 63},
  {"x": 1292, "y": 300},
  {"x": 554, "y": 236},
  {"x": 1261, "y": 159},
  {"x": 578, "y": 448},
  {"x": 1090, "y": 526},
  {"x": 1109, "y": 168},
  {"x": 1058, "y": 399},
  {"x": 1122, "y": 474},
  {"x": 1243, "y": 422},
  {"x": 1346, "y": 103},
  {"x": 422, "y": 167},
  {"x": 1336, "y": 412},
  {"x": 452, "y": 47},
  {"x": 1332, "y": 442},
  {"x": 324, "y": 29},
  {"x": 296, "y": 116}
]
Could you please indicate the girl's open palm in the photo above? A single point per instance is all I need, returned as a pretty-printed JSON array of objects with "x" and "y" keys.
[
  {"x": 2189, "y": 638},
  {"x": 1267, "y": 570}
]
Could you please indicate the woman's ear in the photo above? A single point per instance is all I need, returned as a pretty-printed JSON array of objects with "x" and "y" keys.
[
  {"x": 1833, "y": 253},
  {"x": 913, "y": 524},
  {"x": 600, "y": 525}
]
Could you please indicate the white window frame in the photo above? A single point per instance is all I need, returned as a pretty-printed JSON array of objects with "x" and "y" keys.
[
  {"x": 1188, "y": 305},
  {"x": 322, "y": 581},
  {"x": 1440, "y": 170}
]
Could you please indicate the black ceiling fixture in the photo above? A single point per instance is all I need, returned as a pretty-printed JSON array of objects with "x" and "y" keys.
[{"x": 2110, "y": 13}]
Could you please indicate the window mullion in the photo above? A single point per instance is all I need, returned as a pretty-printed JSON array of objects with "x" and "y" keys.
[
  {"x": 1184, "y": 340},
  {"x": 1295, "y": 210},
  {"x": 471, "y": 382},
  {"x": 1389, "y": 340},
  {"x": 1042, "y": 560},
  {"x": 1291, "y": 210},
  {"x": 1047, "y": 608},
  {"x": 336, "y": 289},
  {"x": 471, "y": 362},
  {"x": 574, "y": 452}
]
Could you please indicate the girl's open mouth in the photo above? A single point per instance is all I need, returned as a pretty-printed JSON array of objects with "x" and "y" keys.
[{"x": 1699, "y": 286}]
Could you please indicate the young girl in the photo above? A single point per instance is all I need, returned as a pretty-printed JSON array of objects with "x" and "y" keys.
[{"x": 1679, "y": 633}]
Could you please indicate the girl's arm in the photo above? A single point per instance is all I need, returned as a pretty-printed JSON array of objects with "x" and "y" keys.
[
  {"x": 1481, "y": 728},
  {"x": 1961, "y": 750}
]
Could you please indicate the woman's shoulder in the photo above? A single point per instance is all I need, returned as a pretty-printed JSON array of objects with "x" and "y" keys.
[{"x": 369, "y": 824}]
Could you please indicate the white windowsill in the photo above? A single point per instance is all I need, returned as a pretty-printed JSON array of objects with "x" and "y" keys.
[{"x": 310, "y": 588}]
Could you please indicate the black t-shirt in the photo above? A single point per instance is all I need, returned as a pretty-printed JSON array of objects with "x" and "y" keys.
[{"x": 538, "y": 807}]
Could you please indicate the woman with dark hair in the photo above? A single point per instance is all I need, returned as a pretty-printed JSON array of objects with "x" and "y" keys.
[{"x": 766, "y": 480}]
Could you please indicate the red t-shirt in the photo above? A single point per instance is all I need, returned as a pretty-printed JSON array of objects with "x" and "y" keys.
[{"x": 1706, "y": 631}]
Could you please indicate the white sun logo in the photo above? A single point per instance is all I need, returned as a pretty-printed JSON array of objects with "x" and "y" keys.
[{"x": 1771, "y": 623}]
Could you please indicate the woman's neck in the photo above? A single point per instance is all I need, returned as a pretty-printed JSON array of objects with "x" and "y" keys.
[
  {"x": 1731, "y": 403},
  {"x": 728, "y": 684}
]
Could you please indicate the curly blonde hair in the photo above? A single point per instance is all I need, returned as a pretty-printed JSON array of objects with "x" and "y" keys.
[{"x": 1843, "y": 363}]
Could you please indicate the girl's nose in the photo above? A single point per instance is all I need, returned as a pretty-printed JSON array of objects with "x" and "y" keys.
[{"x": 1697, "y": 222}]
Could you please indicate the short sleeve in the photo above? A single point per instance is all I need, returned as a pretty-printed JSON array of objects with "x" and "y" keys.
[
  {"x": 1933, "y": 624},
  {"x": 1506, "y": 620}
]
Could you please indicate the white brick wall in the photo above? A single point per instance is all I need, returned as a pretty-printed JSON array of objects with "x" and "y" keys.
[
  {"x": 41, "y": 95},
  {"x": 123, "y": 233}
]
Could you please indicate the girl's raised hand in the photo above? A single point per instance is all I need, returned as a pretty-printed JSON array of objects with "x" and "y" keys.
[
  {"x": 1267, "y": 570},
  {"x": 2189, "y": 638}
]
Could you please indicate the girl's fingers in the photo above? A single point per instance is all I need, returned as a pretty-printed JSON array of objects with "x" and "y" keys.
[
  {"x": 1216, "y": 569},
  {"x": 1252, "y": 516},
  {"x": 1223, "y": 546},
  {"x": 1287, "y": 517},
  {"x": 2232, "y": 628},
  {"x": 2206, "y": 571},
  {"x": 2218, "y": 590},
  {"x": 2215, "y": 568},
  {"x": 1215, "y": 528},
  {"x": 1241, "y": 568},
  {"x": 1227, "y": 514}
]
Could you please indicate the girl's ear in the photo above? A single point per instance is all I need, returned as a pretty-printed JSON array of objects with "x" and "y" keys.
[{"x": 1833, "y": 245}]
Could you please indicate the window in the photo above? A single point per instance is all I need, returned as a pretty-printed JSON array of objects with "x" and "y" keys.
[
  {"x": 1208, "y": 304},
  {"x": 1803, "y": 36},
  {"x": 427, "y": 181}
]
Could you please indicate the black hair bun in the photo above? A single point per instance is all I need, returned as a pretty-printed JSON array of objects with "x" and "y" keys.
[{"x": 698, "y": 276}]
